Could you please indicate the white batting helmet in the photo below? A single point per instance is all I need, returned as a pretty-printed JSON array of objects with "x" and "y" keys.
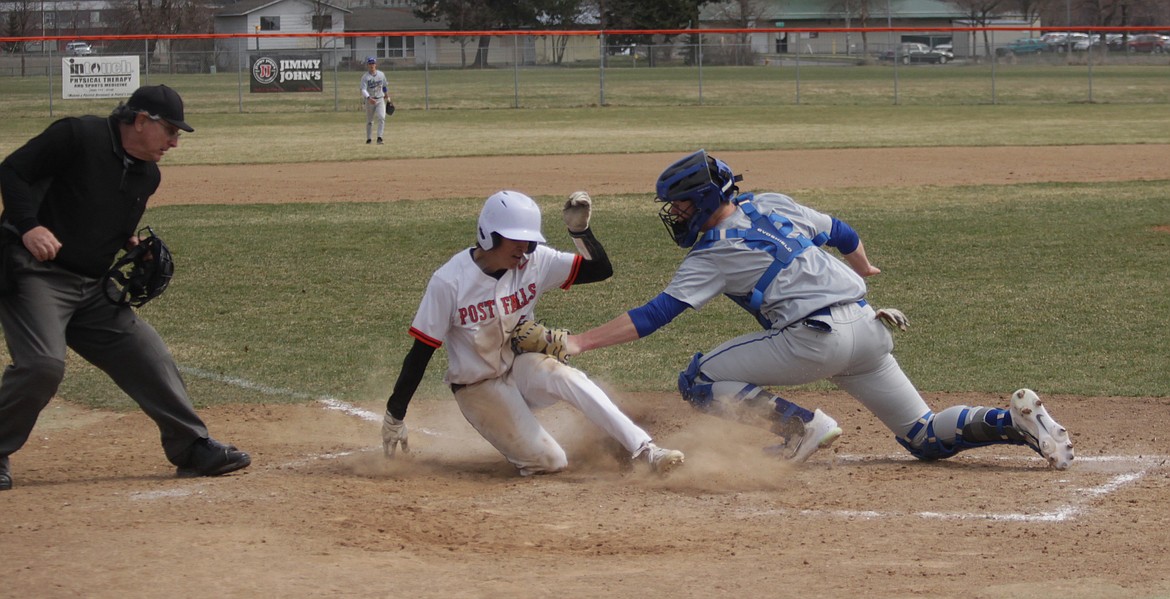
[{"x": 509, "y": 214}]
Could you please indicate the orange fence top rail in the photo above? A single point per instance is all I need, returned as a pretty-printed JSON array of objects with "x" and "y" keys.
[{"x": 577, "y": 32}]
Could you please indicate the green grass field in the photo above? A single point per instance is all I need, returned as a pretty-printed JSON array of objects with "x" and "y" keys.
[{"x": 1006, "y": 285}]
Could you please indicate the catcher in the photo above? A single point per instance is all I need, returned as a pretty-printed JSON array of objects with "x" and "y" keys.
[
  {"x": 474, "y": 302},
  {"x": 765, "y": 252},
  {"x": 73, "y": 196}
]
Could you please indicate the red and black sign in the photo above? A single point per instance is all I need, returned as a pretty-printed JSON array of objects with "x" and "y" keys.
[{"x": 284, "y": 73}]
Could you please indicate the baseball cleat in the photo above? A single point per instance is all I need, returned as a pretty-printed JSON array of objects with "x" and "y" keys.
[
  {"x": 1041, "y": 432},
  {"x": 820, "y": 432},
  {"x": 663, "y": 460},
  {"x": 209, "y": 457}
]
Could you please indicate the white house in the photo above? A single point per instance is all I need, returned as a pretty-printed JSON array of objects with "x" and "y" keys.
[{"x": 283, "y": 17}]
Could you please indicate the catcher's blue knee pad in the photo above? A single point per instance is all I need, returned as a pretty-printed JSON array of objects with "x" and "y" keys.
[{"x": 694, "y": 387}]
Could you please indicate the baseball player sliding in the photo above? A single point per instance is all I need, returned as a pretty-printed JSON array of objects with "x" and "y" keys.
[
  {"x": 375, "y": 93},
  {"x": 473, "y": 303},
  {"x": 765, "y": 252}
]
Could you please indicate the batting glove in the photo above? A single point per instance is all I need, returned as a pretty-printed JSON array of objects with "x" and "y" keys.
[
  {"x": 576, "y": 212},
  {"x": 393, "y": 434},
  {"x": 893, "y": 318}
]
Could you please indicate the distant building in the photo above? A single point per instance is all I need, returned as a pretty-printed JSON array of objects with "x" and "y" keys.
[{"x": 282, "y": 20}]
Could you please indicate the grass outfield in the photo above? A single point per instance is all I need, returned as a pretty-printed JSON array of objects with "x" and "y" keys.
[{"x": 1006, "y": 287}]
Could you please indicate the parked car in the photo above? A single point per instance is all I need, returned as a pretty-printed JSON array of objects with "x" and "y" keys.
[
  {"x": 78, "y": 49},
  {"x": 1148, "y": 42},
  {"x": 913, "y": 52},
  {"x": 1023, "y": 47},
  {"x": 1064, "y": 42},
  {"x": 1114, "y": 42}
]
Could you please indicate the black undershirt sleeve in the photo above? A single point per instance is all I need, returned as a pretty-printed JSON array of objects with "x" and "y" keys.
[
  {"x": 596, "y": 266},
  {"x": 414, "y": 366}
]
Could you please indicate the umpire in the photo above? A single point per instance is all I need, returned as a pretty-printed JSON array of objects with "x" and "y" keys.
[{"x": 73, "y": 197}]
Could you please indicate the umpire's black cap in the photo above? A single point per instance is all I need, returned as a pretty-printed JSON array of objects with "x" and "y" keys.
[{"x": 160, "y": 101}]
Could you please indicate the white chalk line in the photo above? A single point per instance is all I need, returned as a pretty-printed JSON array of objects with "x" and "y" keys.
[
  {"x": 1064, "y": 513},
  {"x": 330, "y": 403}
]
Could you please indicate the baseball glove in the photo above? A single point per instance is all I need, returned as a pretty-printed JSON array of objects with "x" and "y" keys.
[
  {"x": 142, "y": 273},
  {"x": 389, "y": 106},
  {"x": 533, "y": 337}
]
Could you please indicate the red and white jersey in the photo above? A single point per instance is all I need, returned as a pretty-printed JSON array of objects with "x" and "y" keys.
[{"x": 474, "y": 314}]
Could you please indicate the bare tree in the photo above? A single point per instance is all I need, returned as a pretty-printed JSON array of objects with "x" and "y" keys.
[
  {"x": 562, "y": 14},
  {"x": 18, "y": 23},
  {"x": 478, "y": 15},
  {"x": 165, "y": 17},
  {"x": 861, "y": 10},
  {"x": 980, "y": 12},
  {"x": 740, "y": 14},
  {"x": 320, "y": 20}
]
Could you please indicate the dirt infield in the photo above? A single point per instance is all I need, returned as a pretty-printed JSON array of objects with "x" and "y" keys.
[{"x": 96, "y": 511}]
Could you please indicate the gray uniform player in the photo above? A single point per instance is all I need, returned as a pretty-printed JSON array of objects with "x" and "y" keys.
[
  {"x": 471, "y": 306},
  {"x": 767, "y": 253},
  {"x": 374, "y": 88}
]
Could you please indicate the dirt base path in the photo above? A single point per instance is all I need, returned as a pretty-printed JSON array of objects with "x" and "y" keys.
[
  {"x": 96, "y": 511},
  {"x": 781, "y": 170}
]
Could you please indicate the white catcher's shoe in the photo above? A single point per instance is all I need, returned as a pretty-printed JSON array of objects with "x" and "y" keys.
[
  {"x": 818, "y": 433},
  {"x": 1042, "y": 433},
  {"x": 663, "y": 460}
]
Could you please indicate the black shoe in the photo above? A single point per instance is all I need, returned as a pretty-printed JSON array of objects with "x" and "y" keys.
[
  {"x": 369, "y": 140},
  {"x": 5, "y": 475},
  {"x": 209, "y": 457},
  {"x": 379, "y": 141}
]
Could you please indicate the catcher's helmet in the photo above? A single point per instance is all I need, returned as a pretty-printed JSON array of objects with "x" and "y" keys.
[
  {"x": 142, "y": 273},
  {"x": 704, "y": 181},
  {"x": 509, "y": 214}
]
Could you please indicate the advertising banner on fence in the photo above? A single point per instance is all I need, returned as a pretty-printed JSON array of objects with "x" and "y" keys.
[
  {"x": 98, "y": 76},
  {"x": 285, "y": 73}
]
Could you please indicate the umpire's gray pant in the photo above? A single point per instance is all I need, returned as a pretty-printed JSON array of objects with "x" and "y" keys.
[{"x": 52, "y": 308}]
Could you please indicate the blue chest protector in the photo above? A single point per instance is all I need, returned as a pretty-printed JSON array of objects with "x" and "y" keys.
[{"x": 772, "y": 234}]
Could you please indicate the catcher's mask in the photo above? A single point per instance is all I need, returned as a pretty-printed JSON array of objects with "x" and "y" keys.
[
  {"x": 704, "y": 181},
  {"x": 142, "y": 273}
]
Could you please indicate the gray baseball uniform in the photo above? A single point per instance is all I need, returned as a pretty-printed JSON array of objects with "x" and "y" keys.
[
  {"x": 374, "y": 85},
  {"x": 852, "y": 350}
]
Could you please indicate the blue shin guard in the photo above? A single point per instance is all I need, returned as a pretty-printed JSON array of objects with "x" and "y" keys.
[{"x": 959, "y": 428}]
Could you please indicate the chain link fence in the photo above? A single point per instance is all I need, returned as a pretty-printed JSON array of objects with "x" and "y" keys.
[{"x": 563, "y": 71}]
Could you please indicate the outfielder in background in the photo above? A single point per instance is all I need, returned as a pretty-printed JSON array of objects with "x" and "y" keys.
[
  {"x": 766, "y": 253},
  {"x": 73, "y": 197},
  {"x": 375, "y": 94},
  {"x": 472, "y": 305}
]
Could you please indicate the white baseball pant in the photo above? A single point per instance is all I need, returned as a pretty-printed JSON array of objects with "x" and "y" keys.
[
  {"x": 375, "y": 111},
  {"x": 502, "y": 410}
]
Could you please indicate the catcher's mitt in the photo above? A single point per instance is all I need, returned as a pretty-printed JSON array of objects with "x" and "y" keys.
[
  {"x": 142, "y": 273},
  {"x": 389, "y": 106},
  {"x": 533, "y": 337}
]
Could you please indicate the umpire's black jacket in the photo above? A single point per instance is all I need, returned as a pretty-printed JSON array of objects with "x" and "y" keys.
[{"x": 76, "y": 180}]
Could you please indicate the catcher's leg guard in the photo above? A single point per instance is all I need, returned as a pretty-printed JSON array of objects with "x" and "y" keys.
[
  {"x": 743, "y": 402},
  {"x": 960, "y": 428},
  {"x": 694, "y": 387}
]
